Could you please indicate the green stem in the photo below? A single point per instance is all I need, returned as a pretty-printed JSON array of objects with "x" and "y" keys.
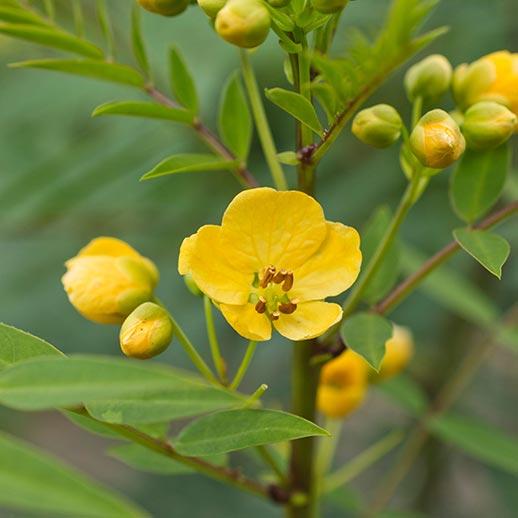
[
  {"x": 253, "y": 400},
  {"x": 249, "y": 354},
  {"x": 261, "y": 122},
  {"x": 218, "y": 360},
  {"x": 326, "y": 452},
  {"x": 270, "y": 461},
  {"x": 417, "y": 110}
]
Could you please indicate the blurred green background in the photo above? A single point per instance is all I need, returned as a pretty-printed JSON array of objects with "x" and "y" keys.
[{"x": 66, "y": 178}]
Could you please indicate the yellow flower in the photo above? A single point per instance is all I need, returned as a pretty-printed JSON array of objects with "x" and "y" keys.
[
  {"x": 491, "y": 78},
  {"x": 343, "y": 385},
  {"x": 108, "y": 279},
  {"x": 272, "y": 261},
  {"x": 146, "y": 332},
  {"x": 399, "y": 350}
]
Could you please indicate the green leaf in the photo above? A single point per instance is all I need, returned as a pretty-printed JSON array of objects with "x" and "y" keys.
[
  {"x": 387, "y": 274},
  {"x": 490, "y": 250},
  {"x": 19, "y": 16},
  {"x": 33, "y": 481},
  {"x": 366, "y": 334},
  {"x": 190, "y": 163},
  {"x": 406, "y": 393},
  {"x": 479, "y": 440},
  {"x": 105, "y": 25},
  {"x": 143, "y": 459},
  {"x": 103, "y": 70},
  {"x": 182, "y": 83},
  {"x": 297, "y": 106},
  {"x": 478, "y": 181},
  {"x": 139, "y": 49},
  {"x": 238, "y": 429},
  {"x": 51, "y": 37},
  {"x": 235, "y": 122},
  {"x": 17, "y": 346},
  {"x": 149, "y": 110}
]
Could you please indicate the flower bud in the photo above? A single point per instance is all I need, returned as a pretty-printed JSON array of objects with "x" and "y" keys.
[
  {"x": 279, "y": 3},
  {"x": 244, "y": 23},
  {"x": 343, "y": 385},
  {"x": 165, "y": 7},
  {"x": 398, "y": 351},
  {"x": 146, "y": 332},
  {"x": 491, "y": 78},
  {"x": 488, "y": 124},
  {"x": 436, "y": 140},
  {"x": 108, "y": 279},
  {"x": 191, "y": 285},
  {"x": 329, "y": 6},
  {"x": 378, "y": 126},
  {"x": 429, "y": 78},
  {"x": 212, "y": 7}
]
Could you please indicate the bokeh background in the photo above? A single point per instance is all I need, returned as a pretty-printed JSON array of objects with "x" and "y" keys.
[{"x": 66, "y": 178}]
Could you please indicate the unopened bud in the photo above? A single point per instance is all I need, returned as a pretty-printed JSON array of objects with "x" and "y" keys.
[
  {"x": 212, "y": 7},
  {"x": 146, "y": 332},
  {"x": 279, "y": 3},
  {"x": 429, "y": 78},
  {"x": 329, "y": 6},
  {"x": 488, "y": 124},
  {"x": 436, "y": 140},
  {"x": 165, "y": 7},
  {"x": 191, "y": 285},
  {"x": 244, "y": 23},
  {"x": 378, "y": 126}
]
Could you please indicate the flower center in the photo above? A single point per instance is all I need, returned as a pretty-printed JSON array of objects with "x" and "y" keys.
[{"x": 270, "y": 289}]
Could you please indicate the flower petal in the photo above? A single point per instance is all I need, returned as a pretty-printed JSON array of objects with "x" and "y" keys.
[
  {"x": 247, "y": 321},
  {"x": 212, "y": 271},
  {"x": 186, "y": 251},
  {"x": 333, "y": 268},
  {"x": 310, "y": 319},
  {"x": 108, "y": 246},
  {"x": 264, "y": 226}
]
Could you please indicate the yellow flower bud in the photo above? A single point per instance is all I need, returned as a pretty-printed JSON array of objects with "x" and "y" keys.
[
  {"x": 329, "y": 6},
  {"x": 378, "y": 126},
  {"x": 436, "y": 140},
  {"x": 146, "y": 332},
  {"x": 244, "y": 23},
  {"x": 429, "y": 78},
  {"x": 165, "y": 7},
  {"x": 108, "y": 279},
  {"x": 343, "y": 385},
  {"x": 491, "y": 78},
  {"x": 488, "y": 124},
  {"x": 212, "y": 7},
  {"x": 399, "y": 350}
]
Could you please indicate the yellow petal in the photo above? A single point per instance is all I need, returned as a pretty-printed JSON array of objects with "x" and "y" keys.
[
  {"x": 264, "y": 226},
  {"x": 247, "y": 321},
  {"x": 309, "y": 320},
  {"x": 186, "y": 250},
  {"x": 108, "y": 246},
  {"x": 333, "y": 268},
  {"x": 212, "y": 271}
]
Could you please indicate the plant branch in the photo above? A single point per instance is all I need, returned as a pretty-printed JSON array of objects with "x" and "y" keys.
[
  {"x": 249, "y": 354},
  {"x": 410, "y": 283}
]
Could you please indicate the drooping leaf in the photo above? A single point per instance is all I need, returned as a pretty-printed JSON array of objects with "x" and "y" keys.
[
  {"x": 235, "y": 122},
  {"x": 366, "y": 334},
  {"x": 224, "y": 432},
  {"x": 139, "y": 48},
  {"x": 478, "y": 181},
  {"x": 51, "y": 37},
  {"x": 149, "y": 110},
  {"x": 95, "y": 69},
  {"x": 190, "y": 163},
  {"x": 32, "y": 480},
  {"x": 182, "y": 82},
  {"x": 297, "y": 106},
  {"x": 406, "y": 393},
  {"x": 478, "y": 439},
  {"x": 490, "y": 250}
]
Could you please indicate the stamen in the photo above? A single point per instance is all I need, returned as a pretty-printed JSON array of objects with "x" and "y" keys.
[
  {"x": 288, "y": 282},
  {"x": 268, "y": 276},
  {"x": 287, "y": 308},
  {"x": 260, "y": 307},
  {"x": 275, "y": 315},
  {"x": 280, "y": 276}
]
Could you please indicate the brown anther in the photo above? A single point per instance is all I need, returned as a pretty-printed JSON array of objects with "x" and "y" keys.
[
  {"x": 268, "y": 276},
  {"x": 280, "y": 276},
  {"x": 275, "y": 315},
  {"x": 288, "y": 282},
  {"x": 287, "y": 308},
  {"x": 260, "y": 307}
]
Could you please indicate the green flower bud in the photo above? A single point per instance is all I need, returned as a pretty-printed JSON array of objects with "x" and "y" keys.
[
  {"x": 378, "y": 126},
  {"x": 165, "y": 7},
  {"x": 146, "y": 332},
  {"x": 279, "y": 3},
  {"x": 488, "y": 124},
  {"x": 244, "y": 23},
  {"x": 191, "y": 285},
  {"x": 329, "y": 6},
  {"x": 429, "y": 78},
  {"x": 436, "y": 140},
  {"x": 212, "y": 7}
]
